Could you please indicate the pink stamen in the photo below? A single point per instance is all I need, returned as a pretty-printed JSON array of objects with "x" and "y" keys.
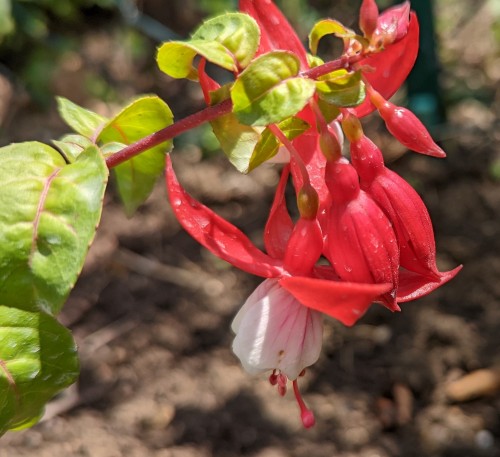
[
  {"x": 273, "y": 378},
  {"x": 306, "y": 415}
]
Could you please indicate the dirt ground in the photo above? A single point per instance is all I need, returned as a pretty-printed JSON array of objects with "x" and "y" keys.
[{"x": 152, "y": 310}]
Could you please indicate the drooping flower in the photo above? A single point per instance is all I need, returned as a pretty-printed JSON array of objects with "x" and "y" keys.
[
  {"x": 366, "y": 229},
  {"x": 288, "y": 304}
]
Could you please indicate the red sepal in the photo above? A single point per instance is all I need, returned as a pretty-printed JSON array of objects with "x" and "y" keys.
[
  {"x": 216, "y": 234},
  {"x": 276, "y": 31},
  {"x": 391, "y": 66},
  {"x": 413, "y": 286},
  {"x": 408, "y": 129},
  {"x": 344, "y": 301}
]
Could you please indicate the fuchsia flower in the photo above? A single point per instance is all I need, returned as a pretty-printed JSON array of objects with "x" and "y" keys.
[
  {"x": 279, "y": 326},
  {"x": 366, "y": 220}
]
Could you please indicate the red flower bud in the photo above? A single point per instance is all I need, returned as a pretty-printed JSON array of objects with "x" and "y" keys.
[
  {"x": 361, "y": 243},
  {"x": 304, "y": 247},
  {"x": 368, "y": 15},
  {"x": 392, "y": 24},
  {"x": 405, "y": 126},
  {"x": 279, "y": 225},
  {"x": 402, "y": 205},
  {"x": 411, "y": 221}
]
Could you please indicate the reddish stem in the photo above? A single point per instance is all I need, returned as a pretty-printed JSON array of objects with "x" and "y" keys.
[
  {"x": 150, "y": 141},
  {"x": 208, "y": 114},
  {"x": 337, "y": 64}
]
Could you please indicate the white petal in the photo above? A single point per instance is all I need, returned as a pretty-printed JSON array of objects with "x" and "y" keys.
[{"x": 275, "y": 331}]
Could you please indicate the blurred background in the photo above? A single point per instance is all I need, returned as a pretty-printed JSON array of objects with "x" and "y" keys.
[{"x": 152, "y": 310}]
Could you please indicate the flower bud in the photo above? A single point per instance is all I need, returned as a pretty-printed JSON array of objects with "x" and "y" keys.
[
  {"x": 393, "y": 23},
  {"x": 308, "y": 202},
  {"x": 402, "y": 205},
  {"x": 329, "y": 144},
  {"x": 368, "y": 15},
  {"x": 361, "y": 243},
  {"x": 405, "y": 126},
  {"x": 304, "y": 247}
]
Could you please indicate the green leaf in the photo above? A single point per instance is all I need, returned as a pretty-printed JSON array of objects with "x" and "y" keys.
[
  {"x": 71, "y": 146},
  {"x": 270, "y": 90},
  {"x": 49, "y": 211},
  {"x": 248, "y": 147},
  {"x": 238, "y": 32},
  {"x": 268, "y": 145},
  {"x": 330, "y": 112},
  {"x": 37, "y": 359},
  {"x": 236, "y": 139},
  {"x": 341, "y": 88},
  {"x": 137, "y": 177},
  {"x": 327, "y": 27},
  {"x": 81, "y": 120},
  {"x": 175, "y": 58},
  {"x": 109, "y": 149}
]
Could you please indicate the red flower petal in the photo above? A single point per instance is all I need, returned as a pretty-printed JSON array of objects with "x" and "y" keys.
[
  {"x": 413, "y": 286},
  {"x": 392, "y": 66},
  {"x": 276, "y": 31},
  {"x": 279, "y": 225},
  {"x": 344, "y": 301},
  {"x": 215, "y": 233}
]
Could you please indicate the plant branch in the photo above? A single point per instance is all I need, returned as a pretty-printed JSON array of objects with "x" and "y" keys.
[
  {"x": 188, "y": 123},
  {"x": 337, "y": 64},
  {"x": 208, "y": 114}
]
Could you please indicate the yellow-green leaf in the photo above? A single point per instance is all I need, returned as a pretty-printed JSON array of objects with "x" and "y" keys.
[{"x": 270, "y": 89}]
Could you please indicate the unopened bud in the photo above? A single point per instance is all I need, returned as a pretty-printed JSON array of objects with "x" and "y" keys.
[
  {"x": 368, "y": 15},
  {"x": 393, "y": 23},
  {"x": 308, "y": 202},
  {"x": 405, "y": 126},
  {"x": 329, "y": 145},
  {"x": 352, "y": 128}
]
